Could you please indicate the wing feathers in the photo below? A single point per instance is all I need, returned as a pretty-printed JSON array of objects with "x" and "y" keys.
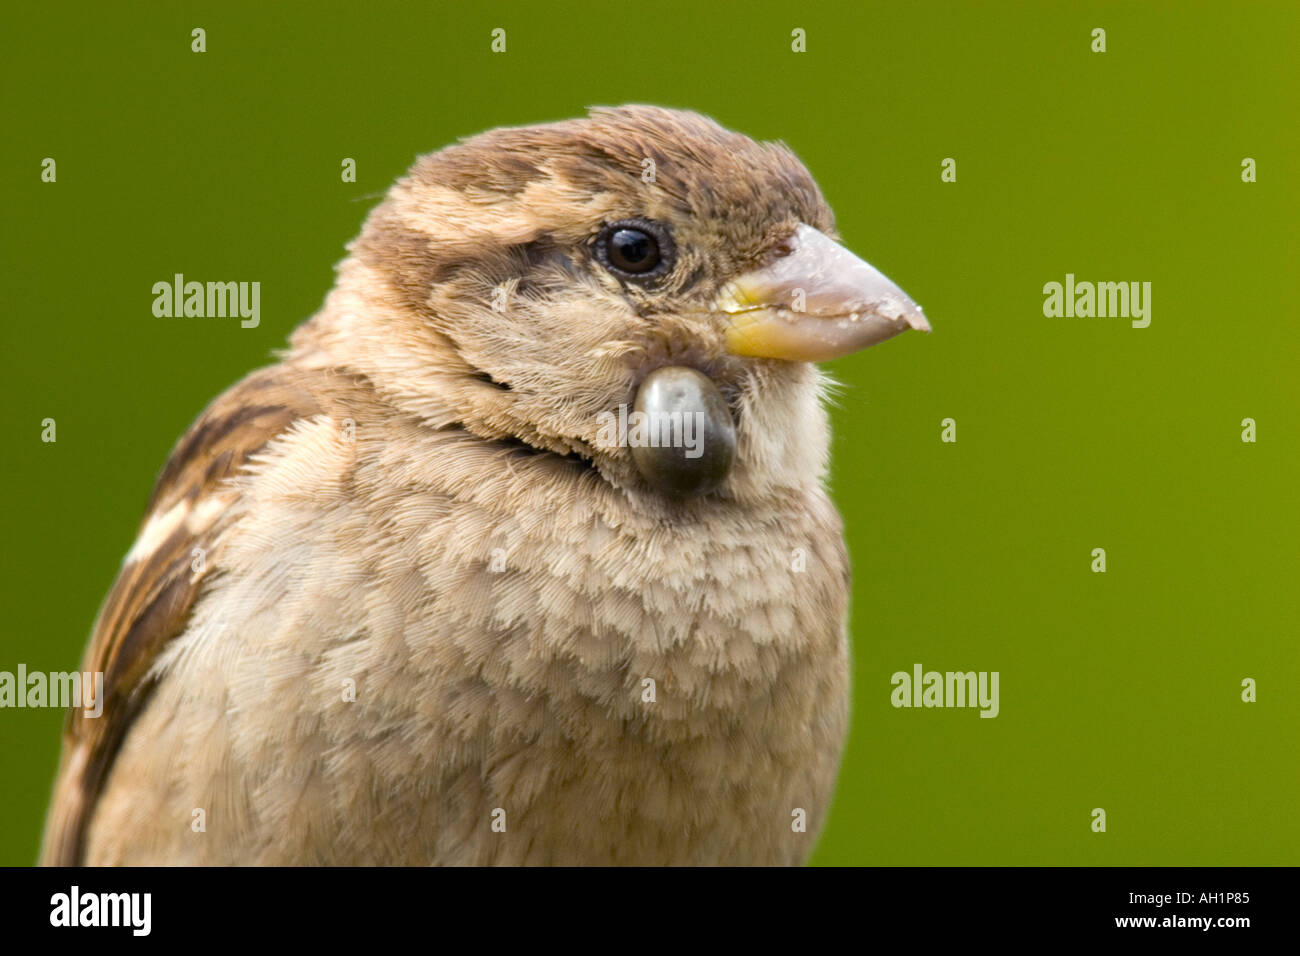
[{"x": 151, "y": 600}]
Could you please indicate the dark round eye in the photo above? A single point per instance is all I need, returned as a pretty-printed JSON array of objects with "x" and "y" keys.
[
  {"x": 635, "y": 247},
  {"x": 633, "y": 250}
]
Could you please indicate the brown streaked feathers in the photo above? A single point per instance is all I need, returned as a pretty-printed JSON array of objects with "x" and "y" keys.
[{"x": 151, "y": 599}]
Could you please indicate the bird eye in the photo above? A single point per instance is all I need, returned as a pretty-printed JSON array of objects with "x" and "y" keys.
[{"x": 635, "y": 248}]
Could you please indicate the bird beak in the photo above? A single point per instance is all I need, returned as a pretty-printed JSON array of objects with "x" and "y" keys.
[{"x": 816, "y": 303}]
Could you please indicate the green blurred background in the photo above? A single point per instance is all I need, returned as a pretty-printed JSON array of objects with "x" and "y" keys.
[{"x": 1119, "y": 690}]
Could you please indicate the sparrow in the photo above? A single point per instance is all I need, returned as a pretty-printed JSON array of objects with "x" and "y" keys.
[{"x": 406, "y": 598}]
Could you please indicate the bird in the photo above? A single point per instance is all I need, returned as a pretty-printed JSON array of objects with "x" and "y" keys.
[{"x": 404, "y": 598}]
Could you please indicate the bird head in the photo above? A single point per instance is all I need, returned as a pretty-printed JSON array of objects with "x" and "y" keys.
[{"x": 523, "y": 285}]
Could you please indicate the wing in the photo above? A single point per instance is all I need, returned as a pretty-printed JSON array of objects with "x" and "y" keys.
[{"x": 151, "y": 600}]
